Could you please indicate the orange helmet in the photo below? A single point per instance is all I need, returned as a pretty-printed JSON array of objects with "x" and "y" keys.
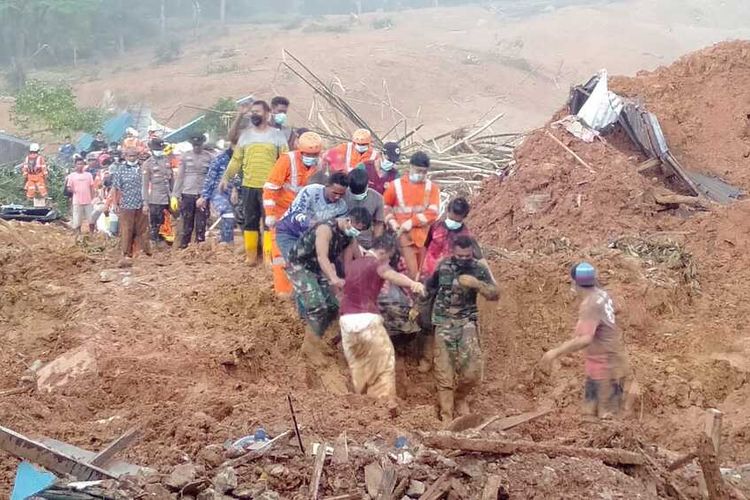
[
  {"x": 362, "y": 136},
  {"x": 310, "y": 143}
]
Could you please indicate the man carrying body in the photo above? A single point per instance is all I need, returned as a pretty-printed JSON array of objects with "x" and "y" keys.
[
  {"x": 359, "y": 195},
  {"x": 596, "y": 331},
  {"x": 34, "y": 171},
  {"x": 314, "y": 203},
  {"x": 157, "y": 187},
  {"x": 458, "y": 357},
  {"x": 81, "y": 184},
  {"x": 187, "y": 189},
  {"x": 382, "y": 170},
  {"x": 258, "y": 149},
  {"x": 367, "y": 346},
  {"x": 127, "y": 199},
  {"x": 411, "y": 206},
  {"x": 280, "y": 118},
  {"x": 312, "y": 269},
  {"x": 288, "y": 176}
]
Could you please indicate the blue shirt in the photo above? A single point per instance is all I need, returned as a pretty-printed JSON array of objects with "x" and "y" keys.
[
  {"x": 308, "y": 208},
  {"x": 67, "y": 151},
  {"x": 128, "y": 180}
]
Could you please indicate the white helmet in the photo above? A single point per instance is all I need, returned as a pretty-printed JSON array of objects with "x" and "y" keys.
[
  {"x": 34, "y": 147},
  {"x": 131, "y": 131}
]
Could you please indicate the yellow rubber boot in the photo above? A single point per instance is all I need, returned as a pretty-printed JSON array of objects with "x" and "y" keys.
[
  {"x": 267, "y": 244},
  {"x": 251, "y": 247}
]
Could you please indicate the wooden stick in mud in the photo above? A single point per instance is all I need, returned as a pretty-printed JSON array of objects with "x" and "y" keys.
[
  {"x": 709, "y": 463},
  {"x": 609, "y": 456},
  {"x": 571, "y": 152},
  {"x": 296, "y": 427},
  {"x": 320, "y": 460}
]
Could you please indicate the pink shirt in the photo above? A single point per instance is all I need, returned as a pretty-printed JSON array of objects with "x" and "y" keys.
[{"x": 80, "y": 185}]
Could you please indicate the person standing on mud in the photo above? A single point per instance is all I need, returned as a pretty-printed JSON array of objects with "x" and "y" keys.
[
  {"x": 606, "y": 363},
  {"x": 127, "y": 200},
  {"x": 312, "y": 271},
  {"x": 367, "y": 346},
  {"x": 458, "y": 357},
  {"x": 258, "y": 149},
  {"x": 187, "y": 191},
  {"x": 157, "y": 187},
  {"x": 81, "y": 185}
]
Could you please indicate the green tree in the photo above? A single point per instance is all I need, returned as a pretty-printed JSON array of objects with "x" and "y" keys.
[
  {"x": 52, "y": 107},
  {"x": 217, "y": 121}
]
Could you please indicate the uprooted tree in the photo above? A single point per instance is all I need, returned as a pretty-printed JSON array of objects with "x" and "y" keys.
[{"x": 42, "y": 106}]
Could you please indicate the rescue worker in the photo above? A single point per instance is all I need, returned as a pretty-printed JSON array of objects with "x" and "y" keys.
[
  {"x": 312, "y": 269},
  {"x": 354, "y": 152},
  {"x": 458, "y": 357},
  {"x": 382, "y": 171},
  {"x": 439, "y": 245},
  {"x": 367, "y": 346},
  {"x": 187, "y": 189},
  {"x": 280, "y": 119},
  {"x": 219, "y": 199},
  {"x": 411, "y": 206},
  {"x": 359, "y": 195},
  {"x": 314, "y": 203},
  {"x": 131, "y": 141},
  {"x": 34, "y": 171},
  {"x": 258, "y": 149},
  {"x": 98, "y": 144},
  {"x": 157, "y": 187},
  {"x": 606, "y": 364},
  {"x": 127, "y": 202},
  {"x": 288, "y": 176}
]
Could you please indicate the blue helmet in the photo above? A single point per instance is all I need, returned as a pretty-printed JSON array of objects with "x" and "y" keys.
[{"x": 583, "y": 274}]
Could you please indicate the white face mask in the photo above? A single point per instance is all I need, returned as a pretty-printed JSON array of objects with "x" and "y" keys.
[
  {"x": 452, "y": 224},
  {"x": 359, "y": 197},
  {"x": 387, "y": 165},
  {"x": 361, "y": 148}
]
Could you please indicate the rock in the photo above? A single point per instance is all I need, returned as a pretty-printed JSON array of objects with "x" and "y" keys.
[
  {"x": 66, "y": 367},
  {"x": 226, "y": 480},
  {"x": 416, "y": 489},
  {"x": 181, "y": 476},
  {"x": 107, "y": 276},
  {"x": 212, "y": 455},
  {"x": 156, "y": 490},
  {"x": 278, "y": 470}
]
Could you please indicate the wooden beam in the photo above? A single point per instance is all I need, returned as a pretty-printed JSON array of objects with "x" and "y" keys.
[
  {"x": 571, "y": 152},
  {"x": 501, "y": 447},
  {"x": 317, "y": 474},
  {"x": 712, "y": 427},
  {"x": 711, "y": 473},
  {"x": 677, "y": 199},
  {"x": 115, "y": 447},
  {"x": 60, "y": 463},
  {"x": 648, "y": 165}
]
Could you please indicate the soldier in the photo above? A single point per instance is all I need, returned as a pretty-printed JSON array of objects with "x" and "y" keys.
[{"x": 458, "y": 362}]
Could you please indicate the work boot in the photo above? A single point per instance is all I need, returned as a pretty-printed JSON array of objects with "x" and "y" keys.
[
  {"x": 428, "y": 352},
  {"x": 251, "y": 247},
  {"x": 462, "y": 406},
  {"x": 445, "y": 401},
  {"x": 267, "y": 244}
]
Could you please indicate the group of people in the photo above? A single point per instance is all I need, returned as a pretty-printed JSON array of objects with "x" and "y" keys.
[{"x": 348, "y": 238}]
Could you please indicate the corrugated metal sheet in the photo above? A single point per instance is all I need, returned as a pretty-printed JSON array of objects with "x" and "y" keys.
[{"x": 12, "y": 149}]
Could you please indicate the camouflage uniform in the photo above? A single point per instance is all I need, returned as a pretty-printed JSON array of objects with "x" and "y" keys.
[
  {"x": 395, "y": 308},
  {"x": 458, "y": 356},
  {"x": 317, "y": 305}
]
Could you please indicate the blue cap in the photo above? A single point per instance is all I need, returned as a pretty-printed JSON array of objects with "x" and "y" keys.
[{"x": 583, "y": 274}]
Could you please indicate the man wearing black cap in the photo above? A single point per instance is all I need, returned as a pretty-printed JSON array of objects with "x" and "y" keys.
[
  {"x": 187, "y": 190},
  {"x": 382, "y": 171},
  {"x": 157, "y": 186}
]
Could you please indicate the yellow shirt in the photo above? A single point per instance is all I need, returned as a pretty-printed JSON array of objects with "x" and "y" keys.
[{"x": 255, "y": 156}]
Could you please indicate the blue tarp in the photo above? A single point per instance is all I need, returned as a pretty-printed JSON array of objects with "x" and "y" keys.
[
  {"x": 113, "y": 130},
  {"x": 30, "y": 480}
]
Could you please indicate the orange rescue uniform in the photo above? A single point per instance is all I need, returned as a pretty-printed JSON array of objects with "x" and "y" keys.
[
  {"x": 35, "y": 174},
  {"x": 416, "y": 202},
  {"x": 287, "y": 177},
  {"x": 351, "y": 157}
]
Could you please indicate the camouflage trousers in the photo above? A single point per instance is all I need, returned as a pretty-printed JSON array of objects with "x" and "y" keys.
[
  {"x": 458, "y": 356},
  {"x": 371, "y": 358},
  {"x": 317, "y": 305}
]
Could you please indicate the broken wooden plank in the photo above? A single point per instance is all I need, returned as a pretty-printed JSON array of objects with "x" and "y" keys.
[
  {"x": 711, "y": 473},
  {"x": 678, "y": 199},
  {"x": 491, "y": 487},
  {"x": 255, "y": 454},
  {"x": 571, "y": 152},
  {"x": 103, "y": 457},
  {"x": 60, "y": 463},
  {"x": 476, "y": 423},
  {"x": 648, "y": 165},
  {"x": 387, "y": 482},
  {"x": 438, "y": 488},
  {"x": 663, "y": 477},
  {"x": 712, "y": 427},
  {"x": 320, "y": 460},
  {"x": 682, "y": 461},
  {"x": 341, "y": 450},
  {"x": 502, "y": 447}
]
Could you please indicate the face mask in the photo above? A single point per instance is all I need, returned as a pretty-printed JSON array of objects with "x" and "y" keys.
[
  {"x": 158, "y": 154},
  {"x": 359, "y": 197},
  {"x": 131, "y": 163},
  {"x": 309, "y": 161},
  {"x": 352, "y": 232},
  {"x": 452, "y": 224},
  {"x": 280, "y": 119},
  {"x": 256, "y": 120},
  {"x": 416, "y": 178},
  {"x": 361, "y": 148},
  {"x": 387, "y": 165}
]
